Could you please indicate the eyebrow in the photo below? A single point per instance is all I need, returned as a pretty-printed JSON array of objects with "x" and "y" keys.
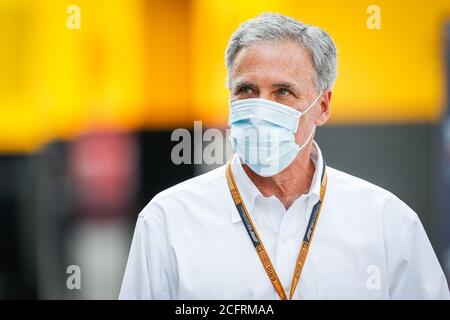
[
  {"x": 240, "y": 84},
  {"x": 286, "y": 84}
]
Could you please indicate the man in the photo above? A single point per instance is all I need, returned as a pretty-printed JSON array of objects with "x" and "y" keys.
[{"x": 276, "y": 222}]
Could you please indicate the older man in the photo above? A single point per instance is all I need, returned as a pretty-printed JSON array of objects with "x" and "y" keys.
[{"x": 276, "y": 222}]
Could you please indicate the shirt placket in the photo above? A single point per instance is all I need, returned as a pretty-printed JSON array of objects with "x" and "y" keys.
[{"x": 289, "y": 242}]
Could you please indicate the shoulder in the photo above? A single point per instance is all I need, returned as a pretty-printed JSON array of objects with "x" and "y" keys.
[
  {"x": 374, "y": 199},
  {"x": 352, "y": 183}
]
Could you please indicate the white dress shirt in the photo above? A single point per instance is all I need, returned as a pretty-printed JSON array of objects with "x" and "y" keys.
[{"x": 190, "y": 243}]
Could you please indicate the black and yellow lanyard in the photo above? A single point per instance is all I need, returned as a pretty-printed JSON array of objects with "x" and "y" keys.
[{"x": 256, "y": 240}]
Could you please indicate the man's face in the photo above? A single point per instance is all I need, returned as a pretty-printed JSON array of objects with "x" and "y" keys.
[{"x": 282, "y": 72}]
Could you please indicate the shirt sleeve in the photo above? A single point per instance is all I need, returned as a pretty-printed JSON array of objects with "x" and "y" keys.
[
  {"x": 148, "y": 274},
  {"x": 414, "y": 270}
]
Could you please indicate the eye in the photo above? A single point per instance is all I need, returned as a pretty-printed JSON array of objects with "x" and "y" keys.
[
  {"x": 283, "y": 92},
  {"x": 244, "y": 89}
]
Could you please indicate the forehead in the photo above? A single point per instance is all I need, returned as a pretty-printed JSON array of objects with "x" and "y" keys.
[{"x": 273, "y": 62}]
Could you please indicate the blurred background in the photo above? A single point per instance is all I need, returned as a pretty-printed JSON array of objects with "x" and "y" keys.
[{"x": 91, "y": 91}]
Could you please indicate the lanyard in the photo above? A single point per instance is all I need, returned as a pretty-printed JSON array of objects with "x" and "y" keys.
[{"x": 256, "y": 240}]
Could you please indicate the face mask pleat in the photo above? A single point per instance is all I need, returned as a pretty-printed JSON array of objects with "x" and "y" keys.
[
  {"x": 255, "y": 111},
  {"x": 260, "y": 135}
]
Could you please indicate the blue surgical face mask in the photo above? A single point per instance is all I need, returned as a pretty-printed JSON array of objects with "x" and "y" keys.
[{"x": 262, "y": 133}]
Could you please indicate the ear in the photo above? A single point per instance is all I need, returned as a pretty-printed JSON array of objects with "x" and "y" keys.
[{"x": 325, "y": 105}]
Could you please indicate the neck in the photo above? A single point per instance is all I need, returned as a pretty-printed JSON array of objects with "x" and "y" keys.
[{"x": 290, "y": 183}]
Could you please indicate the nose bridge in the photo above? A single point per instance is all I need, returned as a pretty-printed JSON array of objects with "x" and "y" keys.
[{"x": 264, "y": 93}]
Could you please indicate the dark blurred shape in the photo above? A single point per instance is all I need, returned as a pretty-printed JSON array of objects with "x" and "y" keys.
[
  {"x": 52, "y": 212},
  {"x": 158, "y": 172},
  {"x": 18, "y": 276},
  {"x": 445, "y": 164}
]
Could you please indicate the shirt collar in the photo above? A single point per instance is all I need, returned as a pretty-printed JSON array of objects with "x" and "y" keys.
[{"x": 249, "y": 192}]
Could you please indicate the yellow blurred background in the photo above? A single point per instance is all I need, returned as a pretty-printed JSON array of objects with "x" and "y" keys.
[{"x": 160, "y": 64}]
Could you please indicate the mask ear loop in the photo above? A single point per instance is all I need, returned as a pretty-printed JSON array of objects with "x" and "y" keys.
[
  {"x": 313, "y": 103},
  {"x": 314, "y": 129},
  {"x": 307, "y": 140}
]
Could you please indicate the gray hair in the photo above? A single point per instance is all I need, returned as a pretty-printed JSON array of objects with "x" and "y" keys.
[{"x": 276, "y": 27}]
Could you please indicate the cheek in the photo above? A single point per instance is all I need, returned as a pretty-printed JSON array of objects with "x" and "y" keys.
[
  {"x": 305, "y": 126},
  {"x": 288, "y": 99}
]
